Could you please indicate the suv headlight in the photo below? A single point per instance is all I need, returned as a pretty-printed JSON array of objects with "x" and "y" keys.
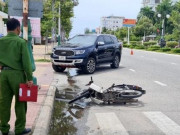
[{"x": 77, "y": 52}]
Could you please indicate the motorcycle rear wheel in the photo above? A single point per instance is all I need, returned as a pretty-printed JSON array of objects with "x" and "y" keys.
[{"x": 131, "y": 94}]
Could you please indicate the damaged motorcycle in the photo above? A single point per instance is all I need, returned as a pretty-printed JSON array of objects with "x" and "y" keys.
[{"x": 115, "y": 94}]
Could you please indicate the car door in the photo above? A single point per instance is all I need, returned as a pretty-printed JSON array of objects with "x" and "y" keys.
[
  {"x": 100, "y": 49},
  {"x": 109, "y": 48}
]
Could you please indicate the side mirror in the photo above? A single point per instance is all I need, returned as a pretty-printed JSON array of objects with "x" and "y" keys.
[{"x": 100, "y": 43}]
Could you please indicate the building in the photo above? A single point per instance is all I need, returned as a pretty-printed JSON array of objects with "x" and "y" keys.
[
  {"x": 153, "y": 3},
  {"x": 112, "y": 22},
  {"x": 3, "y": 15}
]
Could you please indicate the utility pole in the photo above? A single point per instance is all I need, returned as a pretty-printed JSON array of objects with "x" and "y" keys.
[
  {"x": 128, "y": 35},
  {"x": 26, "y": 30},
  {"x": 25, "y": 19},
  {"x": 59, "y": 25},
  {"x": 53, "y": 29}
]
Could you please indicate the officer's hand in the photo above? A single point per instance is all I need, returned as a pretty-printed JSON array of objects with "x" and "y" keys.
[{"x": 30, "y": 83}]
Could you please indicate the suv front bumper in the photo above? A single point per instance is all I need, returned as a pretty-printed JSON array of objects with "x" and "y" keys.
[{"x": 68, "y": 62}]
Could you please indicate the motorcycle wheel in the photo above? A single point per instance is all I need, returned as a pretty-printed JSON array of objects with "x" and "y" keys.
[{"x": 131, "y": 94}]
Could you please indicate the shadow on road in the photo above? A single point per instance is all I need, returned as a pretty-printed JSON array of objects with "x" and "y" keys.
[{"x": 99, "y": 70}]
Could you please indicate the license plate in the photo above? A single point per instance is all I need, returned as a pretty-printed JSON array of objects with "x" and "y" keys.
[{"x": 62, "y": 57}]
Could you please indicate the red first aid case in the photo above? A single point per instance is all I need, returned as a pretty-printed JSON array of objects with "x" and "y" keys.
[{"x": 28, "y": 94}]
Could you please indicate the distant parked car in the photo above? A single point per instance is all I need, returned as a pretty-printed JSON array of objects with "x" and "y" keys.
[{"x": 86, "y": 52}]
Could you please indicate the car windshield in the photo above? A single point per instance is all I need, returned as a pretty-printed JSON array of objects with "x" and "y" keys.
[{"x": 84, "y": 40}]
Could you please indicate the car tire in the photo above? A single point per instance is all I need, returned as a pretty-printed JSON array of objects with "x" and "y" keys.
[
  {"x": 90, "y": 66},
  {"x": 116, "y": 61},
  {"x": 58, "y": 68}
]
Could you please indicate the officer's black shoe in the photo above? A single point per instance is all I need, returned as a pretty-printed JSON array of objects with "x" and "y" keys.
[
  {"x": 26, "y": 130},
  {"x": 4, "y": 133}
]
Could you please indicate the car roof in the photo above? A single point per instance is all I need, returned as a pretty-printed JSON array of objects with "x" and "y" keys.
[{"x": 96, "y": 35}]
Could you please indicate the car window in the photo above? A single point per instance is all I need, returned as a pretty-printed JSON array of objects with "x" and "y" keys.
[
  {"x": 108, "y": 40},
  {"x": 114, "y": 39},
  {"x": 100, "y": 39},
  {"x": 84, "y": 40}
]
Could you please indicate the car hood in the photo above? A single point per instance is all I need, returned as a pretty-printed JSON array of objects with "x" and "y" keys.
[{"x": 72, "y": 47}]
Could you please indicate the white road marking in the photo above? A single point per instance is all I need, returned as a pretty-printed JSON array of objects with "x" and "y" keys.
[
  {"x": 164, "y": 123},
  {"x": 174, "y": 63},
  {"x": 110, "y": 124},
  {"x": 160, "y": 83},
  {"x": 132, "y": 70}
]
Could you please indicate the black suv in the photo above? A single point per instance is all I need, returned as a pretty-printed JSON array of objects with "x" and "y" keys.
[{"x": 87, "y": 51}]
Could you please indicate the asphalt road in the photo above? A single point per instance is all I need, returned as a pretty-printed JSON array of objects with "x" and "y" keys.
[{"x": 156, "y": 113}]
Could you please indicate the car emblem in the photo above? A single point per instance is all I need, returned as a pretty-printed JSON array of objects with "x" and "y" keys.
[{"x": 63, "y": 52}]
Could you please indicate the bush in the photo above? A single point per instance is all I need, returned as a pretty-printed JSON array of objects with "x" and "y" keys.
[
  {"x": 176, "y": 50},
  {"x": 165, "y": 49},
  {"x": 150, "y": 43},
  {"x": 140, "y": 47},
  {"x": 172, "y": 44},
  {"x": 133, "y": 42},
  {"x": 146, "y": 44},
  {"x": 138, "y": 43},
  {"x": 132, "y": 46},
  {"x": 153, "y": 43},
  {"x": 153, "y": 48},
  {"x": 125, "y": 45},
  {"x": 124, "y": 42}
]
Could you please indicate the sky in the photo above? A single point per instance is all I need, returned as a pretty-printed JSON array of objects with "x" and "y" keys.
[{"x": 89, "y": 12}]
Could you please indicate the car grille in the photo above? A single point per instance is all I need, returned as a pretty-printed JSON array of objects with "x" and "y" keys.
[
  {"x": 63, "y": 61},
  {"x": 64, "y": 52}
]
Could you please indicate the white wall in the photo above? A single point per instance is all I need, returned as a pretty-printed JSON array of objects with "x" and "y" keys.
[
  {"x": 112, "y": 23},
  {"x": 1, "y": 25},
  {"x": 2, "y": 28}
]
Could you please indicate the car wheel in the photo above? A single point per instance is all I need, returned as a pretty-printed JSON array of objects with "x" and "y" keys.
[
  {"x": 58, "y": 68},
  {"x": 90, "y": 66},
  {"x": 116, "y": 61}
]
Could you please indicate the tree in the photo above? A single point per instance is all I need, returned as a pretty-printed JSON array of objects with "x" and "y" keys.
[
  {"x": 66, "y": 7},
  {"x": 144, "y": 27},
  {"x": 164, "y": 8},
  {"x": 175, "y": 19},
  {"x": 104, "y": 30},
  {"x": 177, "y": 6},
  {"x": 46, "y": 21},
  {"x": 87, "y": 31},
  {"x": 66, "y": 15},
  {"x": 148, "y": 12},
  {"x": 4, "y": 6},
  {"x": 121, "y": 33}
]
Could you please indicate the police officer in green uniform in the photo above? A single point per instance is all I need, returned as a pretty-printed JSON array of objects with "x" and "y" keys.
[{"x": 15, "y": 68}]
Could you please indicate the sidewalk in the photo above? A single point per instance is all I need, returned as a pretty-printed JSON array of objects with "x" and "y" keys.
[
  {"x": 42, "y": 51},
  {"x": 44, "y": 74}
]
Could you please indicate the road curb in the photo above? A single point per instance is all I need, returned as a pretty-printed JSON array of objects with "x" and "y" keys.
[
  {"x": 44, "y": 118},
  {"x": 177, "y": 55}
]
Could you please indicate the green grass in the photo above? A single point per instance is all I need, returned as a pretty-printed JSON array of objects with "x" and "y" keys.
[{"x": 42, "y": 60}]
